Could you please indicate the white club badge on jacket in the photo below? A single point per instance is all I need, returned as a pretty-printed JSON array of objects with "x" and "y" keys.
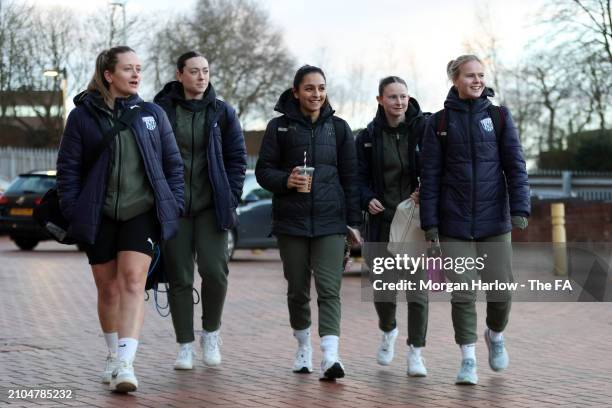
[
  {"x": 487, "y": 124},
  {"x": 149, "y": 122}
]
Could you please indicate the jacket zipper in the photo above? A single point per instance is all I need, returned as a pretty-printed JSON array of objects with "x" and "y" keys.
[
  {"x": 473, "y": 147},
  {"x": 312, "y": 158},
  {"x": 397, "y": 139},
  {"x": 118, "y": 178},
  {"x": 191, "y": 158}
]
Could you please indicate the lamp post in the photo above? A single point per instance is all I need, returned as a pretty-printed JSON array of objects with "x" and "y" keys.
[
  {"x": 61, "y": 75},
  {"x": 121, "y": 3}
]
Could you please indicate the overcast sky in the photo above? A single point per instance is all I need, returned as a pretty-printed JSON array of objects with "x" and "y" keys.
[{"x": 410, "y": 38}]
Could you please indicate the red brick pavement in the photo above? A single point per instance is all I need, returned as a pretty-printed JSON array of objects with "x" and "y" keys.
[{"x": 49, "y": 337}]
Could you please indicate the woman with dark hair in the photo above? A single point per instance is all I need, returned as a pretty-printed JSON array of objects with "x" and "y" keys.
[
  {"x": 121, "y": 199},
  {"x": 212, "y": 146},
  {"x": 307, "y": 159},
  {"x": 388, "y": 175},
  {"x": 474, "y": 191}
]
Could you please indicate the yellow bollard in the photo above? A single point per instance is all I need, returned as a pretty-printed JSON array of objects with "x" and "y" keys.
[{"x": 559, "y": 239}]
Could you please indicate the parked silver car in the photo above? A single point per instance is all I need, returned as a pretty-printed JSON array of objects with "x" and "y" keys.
[{"x": 255, "y": 218}]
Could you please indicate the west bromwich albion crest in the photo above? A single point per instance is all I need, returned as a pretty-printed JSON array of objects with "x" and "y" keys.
[
  {"x": 149, "y": 122},
  {"x": 487, "y": 124}
]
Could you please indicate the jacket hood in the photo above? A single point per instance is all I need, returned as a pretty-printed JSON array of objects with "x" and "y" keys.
[
  {"x": 477, "y": 105},
  {"x": 288, "y": 105},
  {"x": 93, "y": 99},
  {"x": 413, "y": 111},
  {"x": 173, "y": 94}
]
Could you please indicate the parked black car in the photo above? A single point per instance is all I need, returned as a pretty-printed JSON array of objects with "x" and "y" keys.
[
  {"x": 17, "y": 205},
  {"x": 255, "y": 218}
]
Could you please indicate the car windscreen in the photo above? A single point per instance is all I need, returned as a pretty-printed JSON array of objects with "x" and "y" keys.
[
  {"x": 252, "y": 187},
  {"x": 31, "y": 185}
]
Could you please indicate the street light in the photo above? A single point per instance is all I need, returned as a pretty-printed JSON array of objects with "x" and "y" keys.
[
  {"x": 121, "y": 3},
  {"x": 56, "y": 74}
]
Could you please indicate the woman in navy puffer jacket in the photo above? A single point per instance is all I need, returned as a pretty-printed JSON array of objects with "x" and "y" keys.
[
  {"x": 121, "y": 203},
  {"x": 474, "y": 190}
]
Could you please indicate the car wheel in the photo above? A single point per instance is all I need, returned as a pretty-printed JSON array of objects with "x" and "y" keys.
[
  {"x": 26, "y": 244},
  {"x": 231, "y": 244}
]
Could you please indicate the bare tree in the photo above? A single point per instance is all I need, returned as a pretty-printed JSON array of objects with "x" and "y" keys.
[
  {"x": 15, "y": 26},
  {"x": 250, "y": 66},
  {"x": 591, "y": 19}
]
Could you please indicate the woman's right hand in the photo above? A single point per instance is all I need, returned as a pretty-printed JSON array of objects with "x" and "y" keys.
[
  {"x": 295, "y": 180},
  {"x": 375, "y": 207}
]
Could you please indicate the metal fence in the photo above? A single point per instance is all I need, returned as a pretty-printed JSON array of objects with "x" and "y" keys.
[
  {"x": 16, "y": 160},
  {"x": 592, "y": 186}
]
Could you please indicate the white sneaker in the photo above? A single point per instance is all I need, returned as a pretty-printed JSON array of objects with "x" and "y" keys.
[
  {"x": 123, "y": 378},
  {"x": 331, "y": 369},
  {"x": 416, "y": 364},
  {"x": 303, "y": 360},
  {"x": 386, "y": 350},
  {"x": 111, "y": 364},
  {"x": 210, "y": 342},
  {"x": 184, "y": 359}
]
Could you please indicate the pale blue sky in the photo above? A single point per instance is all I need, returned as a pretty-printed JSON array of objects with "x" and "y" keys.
[{"x": 410, "y": 38}]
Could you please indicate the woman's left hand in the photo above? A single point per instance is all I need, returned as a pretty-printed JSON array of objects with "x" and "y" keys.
[
  {"x": 415, "y": 196},
  {"x": 354, "y": 236}
]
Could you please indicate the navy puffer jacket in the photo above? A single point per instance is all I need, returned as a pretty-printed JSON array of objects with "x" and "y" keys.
[
  {"x": 82, "y": 184},
  {"x": 226, "y": 150},
  {"x": 470, "y": 185},
  {"x": 334, "y": 199}
]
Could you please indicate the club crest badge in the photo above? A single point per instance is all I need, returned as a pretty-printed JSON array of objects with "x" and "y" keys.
[
  {"x": 487, "y": 124},
  {"x": 149, "y": 122}
]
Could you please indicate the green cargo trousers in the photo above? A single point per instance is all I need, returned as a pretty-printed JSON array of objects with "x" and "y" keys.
[
  {"x": 418, "y": 306},
  {"x": 198, "y": 240},
  {"x": 497, "y": 254},
  {"x": 321, "y": 257}
]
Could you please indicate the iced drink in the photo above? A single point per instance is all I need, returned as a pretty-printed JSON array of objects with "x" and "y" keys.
[{"x": 308, "y": 172}]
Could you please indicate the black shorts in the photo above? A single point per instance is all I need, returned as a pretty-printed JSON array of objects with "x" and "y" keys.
[{"x": 137, "y": 234}]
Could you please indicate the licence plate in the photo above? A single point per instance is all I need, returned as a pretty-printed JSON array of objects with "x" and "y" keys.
[{"x": 22, "y": 212}]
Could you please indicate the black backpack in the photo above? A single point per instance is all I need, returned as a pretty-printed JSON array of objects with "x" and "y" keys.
[{"x": 495, "y": 112}]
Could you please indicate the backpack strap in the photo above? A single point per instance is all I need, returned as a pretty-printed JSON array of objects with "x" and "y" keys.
[
  {"x": 108, "y": 135},
  {"x": 340, "y": 132},
  {"x": 499, "y": 121}
]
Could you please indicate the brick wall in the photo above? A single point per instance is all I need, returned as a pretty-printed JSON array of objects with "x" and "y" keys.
[{"x": 584, "y": 221}]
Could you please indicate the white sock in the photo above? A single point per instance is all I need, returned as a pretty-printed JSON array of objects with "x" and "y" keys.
[
  {"x": 185, "y": 346},
  {"x": 207, "y": 333},
  {"x": 329, "y": 347},
  {"x": 127, "y": 349},
  {"x": 496, "y": 336},
  {"x": 392, "y": 332},
  {"x": 302, "y": 336},
  {"x": 112, "y": 341},
  {"x": 468, "y": 351},
  {"x": 416, "y": 350}
]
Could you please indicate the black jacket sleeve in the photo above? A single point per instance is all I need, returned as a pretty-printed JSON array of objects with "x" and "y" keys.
[
  {"x": 347, "y": 170},
  {"x": 268, "y": 169},
  {"x": 364, "y": 172}
]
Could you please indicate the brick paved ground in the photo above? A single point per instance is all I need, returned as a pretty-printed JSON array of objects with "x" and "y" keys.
[{"x": 49, "y": 337}]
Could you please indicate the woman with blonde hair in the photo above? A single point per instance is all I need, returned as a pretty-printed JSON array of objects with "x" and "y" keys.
[
  {"x": 474, "y": 190},
  {"x": 120, "y": 184}
]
